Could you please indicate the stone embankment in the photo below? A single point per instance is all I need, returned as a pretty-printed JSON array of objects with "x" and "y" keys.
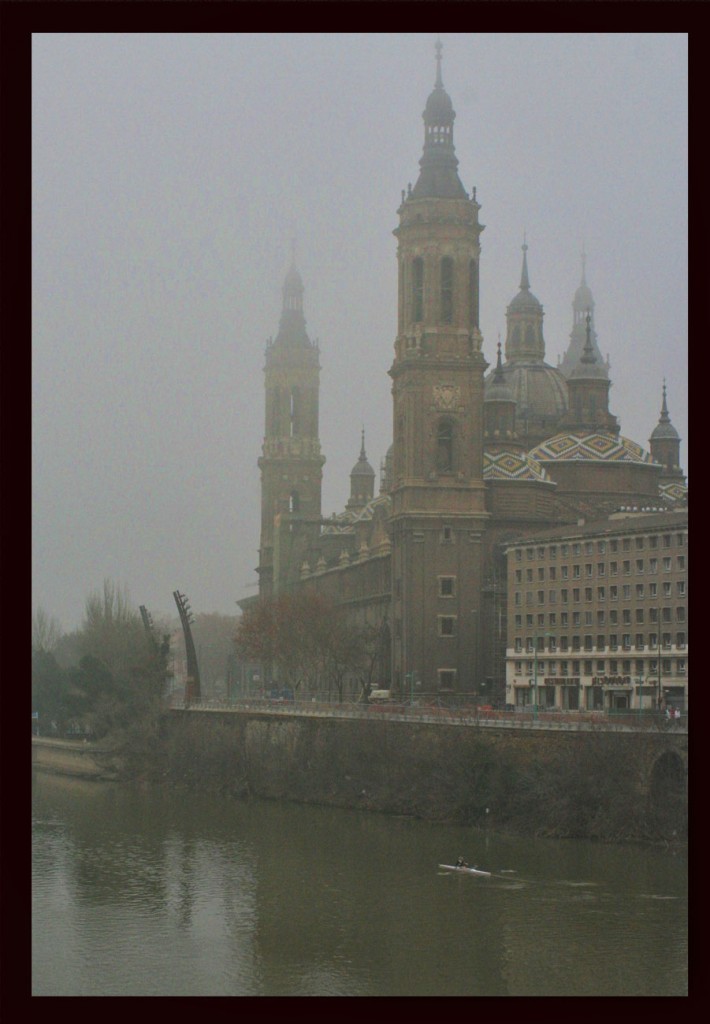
[{"x": 75, "y": 757}]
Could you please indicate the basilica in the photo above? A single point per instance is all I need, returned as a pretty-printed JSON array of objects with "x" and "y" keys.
[{"x": 482, "y": 456}]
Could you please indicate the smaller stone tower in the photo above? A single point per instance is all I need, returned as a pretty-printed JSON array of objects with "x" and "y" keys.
[
  {"x": 582, "y": 304},
  {"x": 588, "y": 393},
  {"x": 665, "y": 445},
  {"x": 362, "y": 480}
]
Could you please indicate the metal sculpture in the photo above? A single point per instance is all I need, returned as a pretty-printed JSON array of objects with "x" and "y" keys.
[{"x": 193, "y": 690}]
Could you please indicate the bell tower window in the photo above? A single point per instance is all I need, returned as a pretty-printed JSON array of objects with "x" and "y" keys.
[
  {"x": 473, "y": 294},
  {"x": 445, "y": 447},
  {"x": 295, "y": 412},
  {"x": 447, "y": 290},
  {"x": 418, "y": 290}
]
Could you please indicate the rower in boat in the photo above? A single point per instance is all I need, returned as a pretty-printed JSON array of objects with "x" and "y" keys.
[{"x": 461, "y": 863}]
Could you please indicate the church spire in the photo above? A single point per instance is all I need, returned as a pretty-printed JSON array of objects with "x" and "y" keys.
[
  {"x": 524, "y": 279},
  {"x": 438, "y": 176},
  {"x": 665, "y": 443}
]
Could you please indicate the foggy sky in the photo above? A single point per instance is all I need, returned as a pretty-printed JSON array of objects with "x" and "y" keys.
[{"x": 170, "y": 175}]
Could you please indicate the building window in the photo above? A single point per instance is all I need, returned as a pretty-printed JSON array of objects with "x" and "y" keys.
[
  {"x": 613, "y": 568},
  {"x": 575, "y": 594},
  {"x": 447, "y": 679},
  {"x": 681, "y": 562},
  {"x": 680, "y": 588},
  {"x": 518, "y": 575},
  {"x": 601, "y": 644},
  {"x": 613, "y": 545},
  {"x": 627, "y": 568},
  {"x": 588, "y": 591},
  {"x": 588, "y": 547},
  {"x": 447, "y": 290},
  {"x": 626, "y": 544},
  {"x": 653, "y": 542},
  {"x": 553, "y": 551},
  {"x": 576, "y": 572},
  {"x": 639, "y": 641},
  {"x": 653, "y": 565},
  {"x": 528, "y": 575},
  {"x": 667, "y": 589},
  {"x": 588, "y": 569},
  {"x": 613, "y": 617},
  {"x": 601, "y": 547},
  {"x": 447, "y": 535},
  {"x": 653, "y": 590},
  {"x": 564, "y": 550},
  {"x": 552, "y": 597},
  {"x": 553, "y": 573},
  {"x": 473, "y": 294},
  {"x": 639, "y": 591},
  {"x": 666, "y": 540},
  {"x": 639, "y": 565},
  {"x": 601, "y": 569},
  {"x": 613, "y": 667},
  {"x": 600, "y": 618},
  {"x": 613, "y": 641},
  {"x": 541, "y": 575},
  {"x": 639, "y": 615},
  {"x": 445, "y": 447},
  {"x": 576, "y": 549},
  {"x": 418, "y": 290},
  {"x": 564, "y": 596},
  {"x": 626, "y": 616},
  {"x": 447, "y": 586},
  {"x": 639, "y": 543},
  {"x": 680, "y": 614},
  {"x": 626, "y": 592},
  {"x": 613, "y": 593},
  {"x": 447, "y": 625},
  {"x": 541, "y": 597},
  {"x": 680, "y": 666},
  {"x": 564, "y": 618},
  {"x": 680, "y": 640},
  {"x": 565, "y": 572}
]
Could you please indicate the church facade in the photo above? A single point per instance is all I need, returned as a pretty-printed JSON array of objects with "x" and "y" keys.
[{"x": 478, "y": 461}]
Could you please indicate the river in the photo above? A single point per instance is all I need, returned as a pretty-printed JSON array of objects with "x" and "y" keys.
[{"x": 144, "y": 891}]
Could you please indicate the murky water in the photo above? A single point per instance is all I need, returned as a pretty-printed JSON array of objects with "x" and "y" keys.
[{"x": 138, "y": 891}]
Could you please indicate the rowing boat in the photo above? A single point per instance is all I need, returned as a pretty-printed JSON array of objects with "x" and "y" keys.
[{"x": 464, "y": 871}]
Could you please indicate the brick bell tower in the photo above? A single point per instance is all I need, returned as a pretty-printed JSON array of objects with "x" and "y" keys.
[
  {"x": 291, "y": 463},
  {"x": 438, "y": 503}
]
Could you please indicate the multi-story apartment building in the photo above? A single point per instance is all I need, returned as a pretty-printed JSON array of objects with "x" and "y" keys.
[{"x": 598, "y": 614}]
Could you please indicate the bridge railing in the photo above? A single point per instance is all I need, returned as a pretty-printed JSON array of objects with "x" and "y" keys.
[{"x": 464, "y": 713}]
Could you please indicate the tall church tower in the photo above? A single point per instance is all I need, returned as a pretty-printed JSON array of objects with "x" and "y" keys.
[
  {"x": 291, "y": 463},
  {"x": 438, "y": 506}
]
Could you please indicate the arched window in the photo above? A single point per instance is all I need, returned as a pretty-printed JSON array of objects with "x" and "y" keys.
[
  {"x": 418, "y": 290},
  {"x": 473, "y": 294},
  {"x": 445, "y": 447},
  {"x": 295, "y": 412},
  {"x": 447, "y": 290}
]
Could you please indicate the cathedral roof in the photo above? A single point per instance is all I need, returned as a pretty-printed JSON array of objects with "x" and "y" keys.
[
  {"x": 674, "y": 491},
  {"x": 590, "y": 448},
  {"x": 510, "y": 464},
  {"x": 538, "y": 389}
]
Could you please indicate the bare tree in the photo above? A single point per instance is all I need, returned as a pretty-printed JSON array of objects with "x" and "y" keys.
[{"x": 46, "y": 632}]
